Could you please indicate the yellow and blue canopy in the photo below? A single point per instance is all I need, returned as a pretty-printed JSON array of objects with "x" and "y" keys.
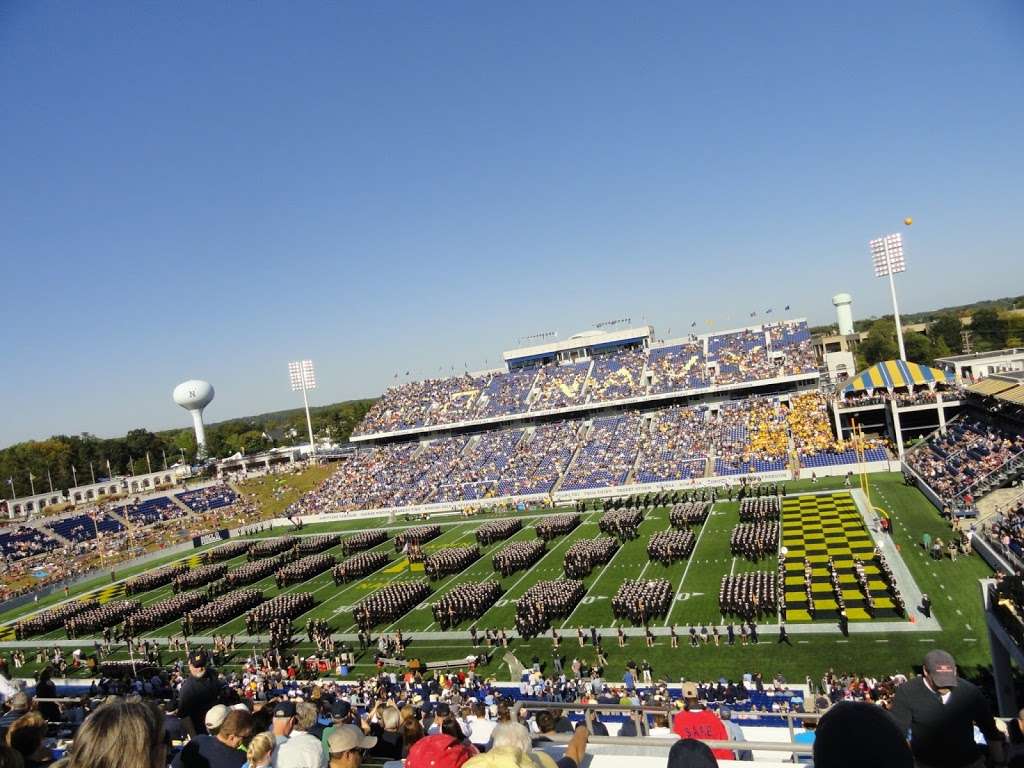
[{"x": 896, "y": 374}]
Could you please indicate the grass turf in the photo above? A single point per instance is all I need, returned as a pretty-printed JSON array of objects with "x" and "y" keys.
[{"x": 952, "y": 585}]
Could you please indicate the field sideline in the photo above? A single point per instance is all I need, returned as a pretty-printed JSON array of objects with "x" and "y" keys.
[{"x": 953, "y": 587}]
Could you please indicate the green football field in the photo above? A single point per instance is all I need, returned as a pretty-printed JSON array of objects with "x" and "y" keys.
[{"x": 953, "y": 586}]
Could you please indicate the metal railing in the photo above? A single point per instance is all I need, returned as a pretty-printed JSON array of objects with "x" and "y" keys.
[{"x": 639, "y": 713}]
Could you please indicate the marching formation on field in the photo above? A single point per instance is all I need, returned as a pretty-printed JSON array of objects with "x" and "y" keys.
[
  {"x": 669, "y": 546},
  {"x": 450, "y": 560},
  {"x": 466, "y": 601},
  {"x": 271, "y": 547},
  {"x": 760, "y": 508},
  {"x": 640, "y": 601},
  {"x": 359, "y": 565},
  {"x": 750, "y": 595},
  {"x": 283, "y": 607},
  {"x": 389, "y": 603},
  {"x": 147, "y": 581},
  {"x": 554, "y": 526},
  {"x": 689, "y": 513},
  {"x": 545, "y": 601},
  {"x": 518, "y": 555},
  {"x": 497, "y": 530},
  {"x": 584, "y": 554},
  {"x": 303, "y": 570},
  {"x": 221, "y": 610},
  {"x": 161, "y": 613},
  {"x": 255, "y": 570},
  {"x": 198, "y": 577},
  {"x": 364, "y": 540},
  {"x": 621, "y": 523},
  {"x": 755, "y": 541},
  {"x": 310, "y": 545},
  {"x": 99, "y": 618}
]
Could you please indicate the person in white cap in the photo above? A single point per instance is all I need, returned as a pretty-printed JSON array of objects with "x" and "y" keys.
[
  {"x": 346, "y": 745},
  {"x": 215, "y": 717}
]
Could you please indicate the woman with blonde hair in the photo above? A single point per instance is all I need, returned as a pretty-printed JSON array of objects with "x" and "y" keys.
[
  {"x": 120, "y": 734},
  {"x": 260, "y": 750}
]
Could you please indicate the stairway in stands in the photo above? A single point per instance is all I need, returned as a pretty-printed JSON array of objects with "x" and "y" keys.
[
  {"x": 996, "y": 501},
  {"x": 581, "y": 440}
]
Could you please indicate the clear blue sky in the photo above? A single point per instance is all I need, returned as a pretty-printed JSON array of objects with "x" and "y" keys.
[{"x": 197, "y": 189}]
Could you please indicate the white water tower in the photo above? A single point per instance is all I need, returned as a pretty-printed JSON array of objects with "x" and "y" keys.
[
  {"x": 194, "y": 395},
  {"x": 844, "y": 313}
]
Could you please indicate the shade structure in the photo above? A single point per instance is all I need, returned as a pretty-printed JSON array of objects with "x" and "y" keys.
[{"x": 895, "y": 374}]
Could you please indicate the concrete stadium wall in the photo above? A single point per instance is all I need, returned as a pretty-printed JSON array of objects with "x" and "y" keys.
[{"x": 922, "y": 486}]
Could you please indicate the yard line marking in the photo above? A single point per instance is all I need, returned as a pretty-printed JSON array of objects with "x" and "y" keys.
[
  {"x": 532, "y": 571},
  {"x": 594, "y": 584},
  {"x": 638, "y": 578},
  {"x": 440, "y": 586},
  {"x": 686, "y": 570}
]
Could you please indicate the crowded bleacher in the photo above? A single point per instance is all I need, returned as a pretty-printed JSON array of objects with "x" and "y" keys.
[
  {"x": 757, "y": 353},
  {"x": 952, "y": 463},
  {"x": 80, "y": 528},
  {"x": 207, "y": 498}
]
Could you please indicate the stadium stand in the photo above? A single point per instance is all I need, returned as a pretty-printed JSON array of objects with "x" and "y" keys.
[
  {"x": 607, "y": 456},
  {"x": 84, "y": 527},
  {"x": 616, "y": 377},
  {"x": 210, "y": 497},
  {"x": 676, "y": 446},
  {"x": 558, "y": 386},
  {"x": 740, "y": 356},
  {"x": 952, "y": 463},
  {"x": 813, "y": 439},
  {"x": 752, "y": 437},
  {"x": 506, "y": 393},
  {"x": 22, "y": 542},
  {"x": 677, "y": 368},
  {"x": 753, "y": 354},
  {"x": 155, "y": 509}
]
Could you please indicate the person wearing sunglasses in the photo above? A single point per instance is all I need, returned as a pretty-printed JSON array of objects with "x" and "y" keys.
[{"x": 346, "y": 745}]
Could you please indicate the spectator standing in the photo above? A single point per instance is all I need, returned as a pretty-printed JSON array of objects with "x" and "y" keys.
[
  {"x": 303, "y": 749},
  {"x": 695, "y": 722},
  {"x": 198, "y": 693},
  {"x": 938, "y": 712}
]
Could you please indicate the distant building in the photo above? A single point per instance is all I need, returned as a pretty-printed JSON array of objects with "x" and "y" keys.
[{"x": 978, "y": 365}]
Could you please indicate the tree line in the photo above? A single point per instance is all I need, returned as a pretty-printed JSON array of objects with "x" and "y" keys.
[
  {"x": 989, "y": 329},
  {"x": 68, "y": 460}
]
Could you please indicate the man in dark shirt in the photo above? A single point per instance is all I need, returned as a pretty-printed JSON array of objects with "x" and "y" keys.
[
  {"x": 222, "y": 750},
  {"x": 938, "y": 711},
  {"x": 198, "y": 693}
]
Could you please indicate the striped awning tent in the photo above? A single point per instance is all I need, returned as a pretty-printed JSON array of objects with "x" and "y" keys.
[{"x": 896, "y": 374}]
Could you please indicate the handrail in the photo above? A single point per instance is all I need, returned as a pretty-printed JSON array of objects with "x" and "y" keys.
[
  {"x": 643, "y": 730},
  {"x": 656, "y": 741}
]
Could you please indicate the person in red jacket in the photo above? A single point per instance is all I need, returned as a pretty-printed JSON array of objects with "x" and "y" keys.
[{"x": 695, "y": 722}]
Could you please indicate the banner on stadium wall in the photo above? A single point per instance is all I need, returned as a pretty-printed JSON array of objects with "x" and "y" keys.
[{"x": 222, "y": 535}]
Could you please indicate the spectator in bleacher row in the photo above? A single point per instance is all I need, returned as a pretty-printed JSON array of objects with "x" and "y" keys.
[{"x": 951, "y": 463}]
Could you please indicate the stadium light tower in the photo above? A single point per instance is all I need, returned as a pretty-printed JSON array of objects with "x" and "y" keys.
[
  {"x": 887, "y": 256},
  {"x": 303, "y": 379}
]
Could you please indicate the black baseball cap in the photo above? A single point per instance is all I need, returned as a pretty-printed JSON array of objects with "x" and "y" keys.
[
  {"x": 442, "y": 710},
  {"x": 340, "y": 709},
  {"x": 941, "y": 667},
  {"x": 198, "y": 659},
  {"x": 284, "y": 709}
]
